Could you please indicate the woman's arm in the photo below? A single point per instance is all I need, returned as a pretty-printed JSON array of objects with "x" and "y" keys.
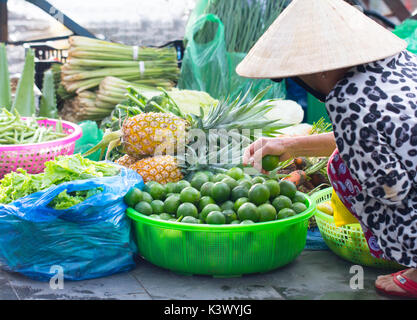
[{"x": 320, "y": 145}]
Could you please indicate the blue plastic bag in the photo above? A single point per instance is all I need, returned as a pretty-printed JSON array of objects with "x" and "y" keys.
[{"x": 89, "y": 240}]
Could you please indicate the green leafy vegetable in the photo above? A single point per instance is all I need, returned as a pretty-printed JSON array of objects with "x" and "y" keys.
[
  {"x": 16, "y": 185},
  {"x": 67, "y": 200}
]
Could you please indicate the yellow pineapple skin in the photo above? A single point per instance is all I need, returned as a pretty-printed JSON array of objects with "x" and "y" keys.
[
  {"x": 126, "y": 161},
  {"x": 147, "y": 133},
  {"x": 162, "y": 169}
]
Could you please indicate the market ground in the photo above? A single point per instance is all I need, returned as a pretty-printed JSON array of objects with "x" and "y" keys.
[{"x": 314, "y": 275}]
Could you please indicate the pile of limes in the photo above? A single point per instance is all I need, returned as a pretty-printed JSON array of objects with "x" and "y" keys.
[{"x": 232, "y": 197}]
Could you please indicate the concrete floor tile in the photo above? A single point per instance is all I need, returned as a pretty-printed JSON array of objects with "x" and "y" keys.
[
  {"x": 119, "y": 286},
  {"x": 6, "y": 290},
  {"x": 164, "y": 284}
]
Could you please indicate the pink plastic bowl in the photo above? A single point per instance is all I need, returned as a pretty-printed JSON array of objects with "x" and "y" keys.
[{"x": 32, "y": 157}]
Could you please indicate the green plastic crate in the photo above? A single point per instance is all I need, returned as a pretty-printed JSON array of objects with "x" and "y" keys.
[
  {"x": 348, "y": 242},
  {"x": 221, "y": 250}
]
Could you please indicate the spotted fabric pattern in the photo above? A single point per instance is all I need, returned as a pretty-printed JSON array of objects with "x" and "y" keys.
[{"x": 373, "y": 110}]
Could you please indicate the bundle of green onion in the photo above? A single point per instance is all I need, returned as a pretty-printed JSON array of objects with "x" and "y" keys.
[{"x": 91, "y": 60}]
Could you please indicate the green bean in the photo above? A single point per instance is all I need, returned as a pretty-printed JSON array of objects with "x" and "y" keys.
[{"x": 15, "y": 130}]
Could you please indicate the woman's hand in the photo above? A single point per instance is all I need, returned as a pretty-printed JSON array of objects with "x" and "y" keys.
[
  {"x": 281, "y": 147},
  {"x": 319, "y": 145}
]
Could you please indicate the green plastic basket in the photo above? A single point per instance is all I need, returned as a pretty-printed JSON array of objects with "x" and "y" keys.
[
  {"x": 348, "y": 242},
  {"x": 221, "y": 250}
]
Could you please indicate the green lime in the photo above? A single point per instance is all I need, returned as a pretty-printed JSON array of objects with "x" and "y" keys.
[
  {"x": 228, "y": 205},
  {"x": 220, "y": 192},
  {"x": 190, "y": 194},
  {"x": 239, "y": 192},
  {"x": 144, "y": 208},
  {"x": 157, "y": 206},
  {"x": 235, "y": 222},
  {"x": 267, "y": 212},
  {"x": 235, "y": 173},
  {"x": 133, "y": 197},
  {"x": 165, "y": 216},
  {"x": 206, "y": 189},
  {"x": 230, "y": 215},
  {"x": 169, "y": 194},
  {"x": 299, "y": 197},
  {"x": 285, "y": 213},
  {"x": 207, "y": 209},
  {"x": 204, "y": 201},
  {"x": 273, "y": 187},
  {"x": 190, "y": 219},
  {"x": 258, "y": 194},
  {"x": 239, "y": 202},
  {"x": 182, "y": 185},
  {"x": 281, "y": 202},
  {"x": 155, "y": 216},
  {"x": 198, "y": 180},
  {"x": 232, "y": 183},
  {"x": 170, "y": 187},
  {"x": 146, "y": 197},
  {"x": 172, "y": 220},
  {"x": 257, "y": 179},
  {"x": 270, "y": 162},
  {"x": 247, "y": 177},
  {"x": 219, "y": 177},
  {"x": 299, "y": 207},
  {"x": 245, "y": 183},
  {"x": 148, "y": 185},
  {"x": 171, "y": 204},
  {"x": 209, "y": 174},
  {"x": 247, "y": 222},
  {"x": 216, "y": 217},
  {"x": 187, "y": 209},
  {"x": 287, "y": 188},
  {"x": 157, "y": 191},
  {"x": 248, "y": 211}
]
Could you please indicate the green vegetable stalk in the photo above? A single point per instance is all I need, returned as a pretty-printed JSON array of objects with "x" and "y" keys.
[
  {"x": 24, "y": 102},
  {"x": 5, "y": 91},
  {"x": 47, "y": 107}
]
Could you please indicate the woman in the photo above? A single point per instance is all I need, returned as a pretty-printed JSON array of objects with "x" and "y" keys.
[{"x": 369, "y": 84}]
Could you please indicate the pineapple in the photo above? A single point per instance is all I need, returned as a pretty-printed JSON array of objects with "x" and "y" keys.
[
  {"x": 162, "y": 169},
  {"x": 126, "y": 161},
  {"x": 138, "y": 135}
]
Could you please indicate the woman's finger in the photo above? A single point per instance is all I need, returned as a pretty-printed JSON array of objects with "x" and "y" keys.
[
  {"x": 257, "y": 159},
  {"x": 251, "y": 150}
]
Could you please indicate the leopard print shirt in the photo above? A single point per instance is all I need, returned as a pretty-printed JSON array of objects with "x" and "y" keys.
[{"x": 373, "y": 110}]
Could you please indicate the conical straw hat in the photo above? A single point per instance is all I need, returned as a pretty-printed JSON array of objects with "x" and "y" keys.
[{"x": 313, "y": 36}]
